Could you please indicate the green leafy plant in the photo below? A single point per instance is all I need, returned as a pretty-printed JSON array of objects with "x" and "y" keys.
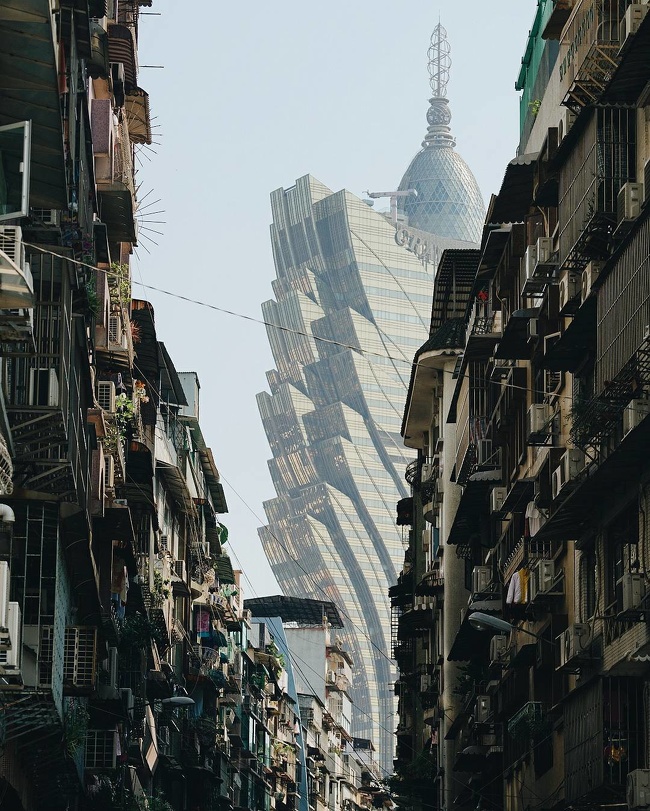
[
  {"x": 534, "y": 106},
  {"x": 137, "y": 631},
  {"x": 75, "y": 726},
  {"x": 119, "y": 285},
  {"x": 92, "y": 297},
  {"x": 161, "y": 589}
]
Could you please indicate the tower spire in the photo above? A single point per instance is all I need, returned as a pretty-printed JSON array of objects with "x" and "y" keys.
[{"x": 439, "y": 114}]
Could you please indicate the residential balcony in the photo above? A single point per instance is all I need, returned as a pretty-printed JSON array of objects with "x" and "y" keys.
[
  {"x": 590, "y": 179},
  {"x": 16, "y": 285},
  {"x": 114, "y": 344},
  {"x": 402, "y": 593},
  {"x": 46, "y": 395},
  {"x": 593, "y": 36},
  {"x": 29, "y": 47},
  {"x": 114, "y": 175},
  {"x": 483, "y": 329},
  {"x": 605, "y": 726}
]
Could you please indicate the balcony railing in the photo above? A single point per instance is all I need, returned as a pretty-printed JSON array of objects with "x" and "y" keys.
[
  {"x": 527, "y": 720},
  {"x": 601, "y": 416},
  {"x": 589, "y": 52},
  {"x": 484, "y": 321},
  {"x": 603, "y": 160}
]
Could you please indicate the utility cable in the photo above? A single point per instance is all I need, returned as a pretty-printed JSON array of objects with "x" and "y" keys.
[{"x": 280, "y": 327}]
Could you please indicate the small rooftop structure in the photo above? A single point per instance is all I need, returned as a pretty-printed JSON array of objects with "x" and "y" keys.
[{"x": 300, "y": 610}]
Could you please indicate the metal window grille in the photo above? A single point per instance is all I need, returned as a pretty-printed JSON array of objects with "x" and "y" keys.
[
  {"x": 101, "y": 748},
  {"x": 46, "y": 655},
  {"x": 79, "y": 656}
]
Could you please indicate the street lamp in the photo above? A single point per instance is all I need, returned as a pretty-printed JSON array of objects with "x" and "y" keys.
[
  {"x": 486, "y": 622},
  {"x": 178, "y": 701}
]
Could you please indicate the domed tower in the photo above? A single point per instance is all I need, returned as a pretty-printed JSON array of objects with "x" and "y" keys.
[{"x": 448, "y": 202}]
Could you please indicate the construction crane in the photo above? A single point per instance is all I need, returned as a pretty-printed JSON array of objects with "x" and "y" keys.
[{"x": 374, "y": 195}]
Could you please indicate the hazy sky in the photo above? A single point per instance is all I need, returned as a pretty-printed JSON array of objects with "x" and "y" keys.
[{"x": 252, "y": 96}]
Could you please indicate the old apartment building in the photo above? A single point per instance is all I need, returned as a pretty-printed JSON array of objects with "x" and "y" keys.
[{"x": 520, "y": 619}]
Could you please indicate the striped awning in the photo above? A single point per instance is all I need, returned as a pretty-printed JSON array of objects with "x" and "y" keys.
[
  {"x": 122, "y": 48},
  {"x": 138, "y": 116}
]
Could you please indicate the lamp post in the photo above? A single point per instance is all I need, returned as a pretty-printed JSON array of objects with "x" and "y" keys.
[
  {"x": 178, "y": 701},
  {"x": 487, "y": 622}
]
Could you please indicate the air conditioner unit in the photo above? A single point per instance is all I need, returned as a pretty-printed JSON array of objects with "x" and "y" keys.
[
  {"x": 538, "y": 263},
  {"x": 574, "y": 642},
  {"x": 425, "y": 683},
  {"x": 439, "y": 491},
  {"x": 571, "y": 463},
  {"x": 48, "y": 216},
  {"x": 498, "y": 648},
  {"x": 539, "y": 422},
  {"x": 109, "y": 472},
  {"x": 630, "y": 22},
  {"x": 180, "y": 569},
  {"x": 163, "y": 543},
  {"x": 331, "y": 677},
  {"x": 638, "y": 789},
  {"x": 542, "y": 578},
  {"x": 121, "y": 502},
  {"x": 628, "y": 203},
  {"x": 635, "y": 412},
  {"x": 497, "y": 497},
  {"x": 106, "y": 395},
  {"x": 205, "y": 549},
  {"x": 589, "y": 276},
  {"x": 115, "y": 335},
  {"x": 570, "y": 287},
  {"x": 11, "y": 659},
  {"x": 481, "y": 579},
  {"x": 43, "y": 387},
  {"x": 633, "y": 590},
  {"x": 567, "y": 120},
  {"x": 544, "y": 250},
  {"x": 483, "y": 709},
  {"x": 11, "y": 244}
]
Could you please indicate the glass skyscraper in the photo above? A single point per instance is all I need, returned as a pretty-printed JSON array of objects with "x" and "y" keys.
[{"x": 353, "y": 295}]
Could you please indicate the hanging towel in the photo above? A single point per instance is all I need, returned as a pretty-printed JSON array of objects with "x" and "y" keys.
[
  {"x": 523, "y": 579},
  {"x": 514, "y": 590}
]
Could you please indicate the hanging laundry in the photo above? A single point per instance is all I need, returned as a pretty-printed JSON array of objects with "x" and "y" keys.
[
  {"x": 523, "y": 580},
  {"x": 203, "y": 624},
  {"x": 514, "y": 590},
  {"x": 534, "y": 519}
]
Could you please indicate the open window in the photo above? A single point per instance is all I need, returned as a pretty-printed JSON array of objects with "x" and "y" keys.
[{"x": 15, "y": 150}]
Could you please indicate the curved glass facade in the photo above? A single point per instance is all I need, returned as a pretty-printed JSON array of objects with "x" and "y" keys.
[
  {"x": 448, "y": 201},
  {"x": 334, "y": 410}
]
